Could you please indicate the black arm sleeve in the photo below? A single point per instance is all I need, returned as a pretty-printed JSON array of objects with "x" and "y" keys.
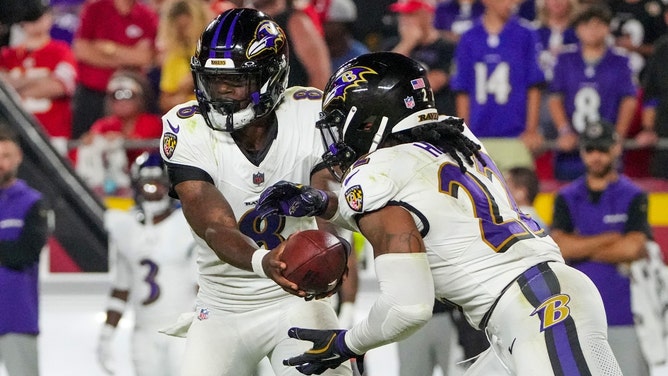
[
  {"x": 179, "y": 173},
  {"x": 637, "y": 216},
  {"x": 24, "y": 251},
  {"x": 561, "y": 218}
]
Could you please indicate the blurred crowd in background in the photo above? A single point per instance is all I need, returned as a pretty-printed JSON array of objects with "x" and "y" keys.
[{"x": 97, "y": 75}]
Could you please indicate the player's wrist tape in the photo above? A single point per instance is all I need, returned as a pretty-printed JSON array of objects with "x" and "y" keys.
[
  {"x": 256, "y": 262},
  {"x": 116, "y": 304}
]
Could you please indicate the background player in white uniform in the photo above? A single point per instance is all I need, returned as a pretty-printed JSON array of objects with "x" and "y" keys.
[
  {"x": 244, "y": 132},
  {"x": 155, "y": 271},
  {"x": 442, "y": 224}
]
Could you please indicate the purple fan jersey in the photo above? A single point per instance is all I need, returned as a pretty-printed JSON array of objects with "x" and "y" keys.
[
  {"x": 609, "y": 214},
  {"x": 592, "y": 91},
  {"x": 458, "y": 18},
  {"x": 496, "y": 72}
]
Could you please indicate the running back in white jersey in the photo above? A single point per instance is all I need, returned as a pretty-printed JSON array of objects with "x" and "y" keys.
[
  {"x": 476, "y": 238},
  {"x": 156, "y": 263},
  {"x": 292, "y": 156}
]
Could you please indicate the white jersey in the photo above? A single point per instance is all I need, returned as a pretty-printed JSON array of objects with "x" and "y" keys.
[
  {"x": 477, "y": 240},
  {"x": 292, "y": 156},
  {"x": 156, "y": 263}
]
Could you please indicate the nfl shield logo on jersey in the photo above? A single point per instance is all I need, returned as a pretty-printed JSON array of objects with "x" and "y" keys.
[
  {"x": 258, "y": 178},
  {"x": 203, "y": 314}
]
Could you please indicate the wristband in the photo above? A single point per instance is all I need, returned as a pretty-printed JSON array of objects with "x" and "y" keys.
[{"x": 256, "y": 262}]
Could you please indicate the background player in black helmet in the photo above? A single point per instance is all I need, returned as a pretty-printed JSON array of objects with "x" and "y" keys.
[{"x": 154, "y": 272}]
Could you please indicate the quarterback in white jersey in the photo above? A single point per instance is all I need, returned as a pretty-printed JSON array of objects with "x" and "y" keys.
[
  {"x": 244, "y": 132},
  {"x": 155, "y": 271},
  {"x": 443, "y": 225}
]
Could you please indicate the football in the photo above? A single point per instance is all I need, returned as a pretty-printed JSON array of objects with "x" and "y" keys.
[{"x": 316, "y": 260}]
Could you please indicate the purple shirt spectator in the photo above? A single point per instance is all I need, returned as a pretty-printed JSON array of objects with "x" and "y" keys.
[
  {"x": 22, "y": 234},
  {"x": 496, "y": 71},
  {"x": 457, "y": 17},
  {"x": 592, "y": 91},
  {"x": 577, "y": 212}
]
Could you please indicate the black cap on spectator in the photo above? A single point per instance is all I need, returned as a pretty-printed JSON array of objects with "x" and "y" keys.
[
  {"x": 598, "y": 134},
  {"x": 599, "y": 11},
  {"x": 35, "y": 11}
]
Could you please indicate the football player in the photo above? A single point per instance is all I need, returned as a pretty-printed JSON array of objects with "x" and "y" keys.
[
  {"x": 155, "y": 271},
  {"x": 245, "y": 131},
  {"x": 443, "y": 225}
]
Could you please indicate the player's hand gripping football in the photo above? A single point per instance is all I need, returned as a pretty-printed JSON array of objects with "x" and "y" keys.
[
  {"x": 329, "y": 351},
  {"x": 273, "y": 267},
  {"x": 290, "y": 199}
]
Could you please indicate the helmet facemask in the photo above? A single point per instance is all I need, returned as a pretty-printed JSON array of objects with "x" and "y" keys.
[
  {"x": 220, "y": 111},
  {"x": 152, "y": 196},
  {"x": 338, "y": 155},
  {"x": 150, "y": 185}
]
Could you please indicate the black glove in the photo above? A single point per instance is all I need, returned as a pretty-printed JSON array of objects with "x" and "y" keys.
[
  {"x": 329, "y": 351},
  {"x": 294, "y": 200}
]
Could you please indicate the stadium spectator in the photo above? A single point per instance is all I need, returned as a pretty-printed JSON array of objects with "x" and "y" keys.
[
  {"x": 592, "y": 82},
  {"x": 421, "y": 41},
  {"x": 454, "y": 17},
  {"x": 600, "y": 223},
  {"x": 655, "y": 112},
  {"x": 554, "y": 27},
  {"x": 112, "y": 34},
  {"x": 498, "y": 84},
  {"x": 66, "y": 17},
  {"x": 524, "y": 187},
  {"x": 23, "y": 234},
  {"x": 338, "y": 27},
  {"x": 103, "y": 159},
  {"x": 636, "y": 25},
  {"x": 43, "y": 73},
  {"x": 178, "y": 31}
]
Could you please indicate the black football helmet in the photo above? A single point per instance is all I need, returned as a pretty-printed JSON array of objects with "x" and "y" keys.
[
  {"x": 150, "y": 184},
  {"x": 240, "y": 47},
  {"x": 369, "y": 98}
]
